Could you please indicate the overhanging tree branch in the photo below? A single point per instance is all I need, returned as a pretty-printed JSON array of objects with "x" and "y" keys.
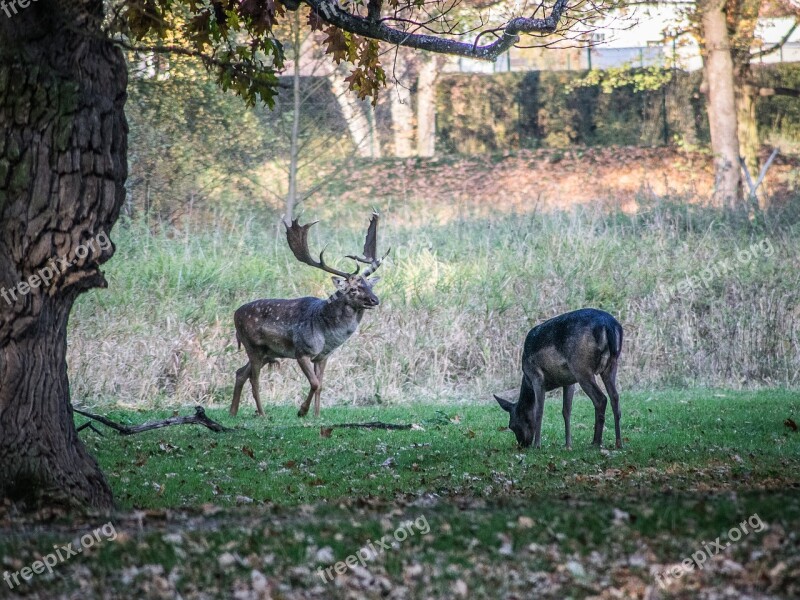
[
  {"x": 778, "y": 91},
  {"x": 776, "y": 46},
  {"x": 329, "y": 11}
]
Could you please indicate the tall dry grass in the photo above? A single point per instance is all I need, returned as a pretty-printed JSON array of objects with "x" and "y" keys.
[{"x": 458, "y": 296}]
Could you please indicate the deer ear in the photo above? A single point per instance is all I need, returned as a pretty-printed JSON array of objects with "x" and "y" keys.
[
  {"x": 341, "y": 284},
  {"x": 373, "y": 280},
  {"x": 504, "y": 404}
]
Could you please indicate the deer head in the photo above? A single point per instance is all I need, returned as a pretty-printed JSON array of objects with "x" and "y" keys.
[
  {"x": 518, "y": 423},
  {"x": 354, "y": 288}
]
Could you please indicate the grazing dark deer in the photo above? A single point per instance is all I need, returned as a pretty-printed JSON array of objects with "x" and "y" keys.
[
  {"x": 306, "y": 329},
  {"x": 565, "y": 350}
]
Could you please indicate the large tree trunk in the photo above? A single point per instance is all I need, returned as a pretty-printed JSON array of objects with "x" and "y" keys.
[
  {"x": 721, "y": 104},
  {"x": 426, "y": 106},
  {"x": 62, "y": 173}
]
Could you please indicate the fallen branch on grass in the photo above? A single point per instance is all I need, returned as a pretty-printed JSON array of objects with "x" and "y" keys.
[
  {"x": 198, "y": 418},
  {"x": 373, "y": 425},
  {"x": 90, "y": 425}
]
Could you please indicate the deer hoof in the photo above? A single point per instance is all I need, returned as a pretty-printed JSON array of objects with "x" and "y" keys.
[{"x": 302, "y": 413}]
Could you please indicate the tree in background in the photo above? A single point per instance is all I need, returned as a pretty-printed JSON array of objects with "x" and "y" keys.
[
  {"x": 63, "y": 168},
  {"x": 413, "y": 76},
  {"x": 358, "y": 113},
  {"x": 719, "y": 75},
  {"x": 727, "y": 32},
  {"x": 429, "y": 69},
  {"x": 303, "y": 123}
]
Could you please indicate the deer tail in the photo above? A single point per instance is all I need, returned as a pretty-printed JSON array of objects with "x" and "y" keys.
[
  {"x": 238, "y": 342},
  {"x": 614, "y": 335}
]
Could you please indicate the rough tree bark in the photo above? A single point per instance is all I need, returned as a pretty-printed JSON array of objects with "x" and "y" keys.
[
  {"x": 721, "y": 104},
  {"x": 63, "y": 139}
]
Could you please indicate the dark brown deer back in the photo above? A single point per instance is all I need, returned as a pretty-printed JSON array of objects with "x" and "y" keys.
[{"x": 565, "y": 350}]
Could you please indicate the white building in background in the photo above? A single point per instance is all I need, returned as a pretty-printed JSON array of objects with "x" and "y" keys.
[
  {"x": 645, "y": 36},
  {"x": 771, "y": 32},
  {"x": 642, "y": 36}
]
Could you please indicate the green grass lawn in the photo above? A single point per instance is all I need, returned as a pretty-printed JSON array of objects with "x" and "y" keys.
[
  {"x": 693, "y": 441},
  {"x": 260, "y": 509}
]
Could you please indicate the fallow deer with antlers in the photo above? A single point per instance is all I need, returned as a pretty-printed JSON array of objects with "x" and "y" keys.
[{"x": 306, "y": 329}]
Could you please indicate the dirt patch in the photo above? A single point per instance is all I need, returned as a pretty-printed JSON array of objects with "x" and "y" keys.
[{"x": 551, "y": 179}]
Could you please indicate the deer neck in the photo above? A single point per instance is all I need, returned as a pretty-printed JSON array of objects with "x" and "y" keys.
[
  {"x": 336, "y": 310},
  {"x": 527, "y": 397}
]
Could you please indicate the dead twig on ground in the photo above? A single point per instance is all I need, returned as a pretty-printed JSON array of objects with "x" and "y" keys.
[{"x": 198, "y": 418}]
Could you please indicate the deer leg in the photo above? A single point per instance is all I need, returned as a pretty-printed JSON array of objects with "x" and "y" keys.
[
  {"x": 255, "y": 371},
  {"x": 609, "y": 377},
  {"x": 319, "y": 371},
  {"x": 538, "y": 411},
  {"x": 566, "y": 411},
  {"x": 589, "y": 385},
  {"x": 308, "y": 370},
  {"x": 241, "y": 376}
]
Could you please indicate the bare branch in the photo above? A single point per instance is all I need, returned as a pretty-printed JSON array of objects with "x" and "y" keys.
[
  {"x": 207, "y": 59},
  {"x": 331, "y": 13},
  {"x": 778, "y": 45},
  {"x": 198, "y": 418},
  {"x": 778, "y": 91},
  {"x": 372, "y": 425}
]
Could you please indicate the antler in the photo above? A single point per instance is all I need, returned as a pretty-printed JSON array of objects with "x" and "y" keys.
[
  {"x": 297, "y": 236},
  {"x": 371, "y": 248}
]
